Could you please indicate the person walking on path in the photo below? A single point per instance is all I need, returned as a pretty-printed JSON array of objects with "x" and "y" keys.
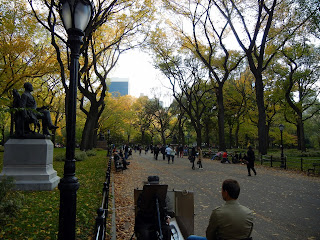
[
  {"x": 193, "y": 156},
  {"x": 156, "y": 152},
  {"x": 181, "y": 151},
  {"x": 173, "y": 153},
  {"x": 200, "y": 158},
  {"x": 250, "y": 161},
  {"x": 230, "y": 221},
  {"x": 168, "y": 153},
  {"x": 163, "y": 151}
]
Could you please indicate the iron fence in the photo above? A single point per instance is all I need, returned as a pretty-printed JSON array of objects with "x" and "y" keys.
[
  {"x": 304, "y": 164},
  {"x": 101, "y": 219}
]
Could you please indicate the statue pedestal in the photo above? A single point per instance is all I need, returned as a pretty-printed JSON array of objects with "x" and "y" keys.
[
  {"x": 29, "y": 162},
  {"x": 102, "y": 144}
]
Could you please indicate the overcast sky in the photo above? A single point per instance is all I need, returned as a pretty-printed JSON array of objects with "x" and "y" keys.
[{"x": 138, "y": 67}]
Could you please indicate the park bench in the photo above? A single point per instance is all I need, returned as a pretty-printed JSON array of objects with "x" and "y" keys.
[
  {"x": 118, "y": 165},
  {"x": 314, "y": 165},
  {"x": 207, "y": 154}
]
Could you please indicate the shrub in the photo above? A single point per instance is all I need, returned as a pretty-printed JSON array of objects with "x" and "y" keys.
[
  {"x": 1, "y": 148},
  {"x": 91, "y": 153},
  {"x": 99, "y": 149},
  {"x": 80, "y": 155},
  {"x": 10, "y": 201},
  {"x": 60, "y": 157}
]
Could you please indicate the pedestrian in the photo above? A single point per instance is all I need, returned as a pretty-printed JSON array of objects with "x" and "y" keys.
[
  {"x": 163, "y": 152},
  {"x": 181, "y": 151},
  {"x": 200, "y": 158},
  {"x": 156, "y": 152},
  {"x": 168, "y": 153},
  {"x": 146, "y": 150},
  {"x": 250, "y": 161},
  {"x": 186, "y": 150},
  {"x": 173, "y": 153},
  {"x": 193, "y": 156},
  {"x": 232, "y": 220}
]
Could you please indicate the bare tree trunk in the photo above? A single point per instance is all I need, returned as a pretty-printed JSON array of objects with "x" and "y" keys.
[
  {"x": 222, "y": 141},
  {"x": 262, "y": 133},
  {"x": 89, "y": 132},
  {"x": 300, "y": 134}
]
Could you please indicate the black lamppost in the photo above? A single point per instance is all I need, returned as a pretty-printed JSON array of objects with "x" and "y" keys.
[
  {"x": 75, "y": 14},
  {"x": 281, "y": 127}
]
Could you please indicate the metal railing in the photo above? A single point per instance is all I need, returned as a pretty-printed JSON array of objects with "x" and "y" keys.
[
  {"x": 272, "y": 160},
  {"x": 101, "y": 219},
  {"x": 303, "y": 164}
]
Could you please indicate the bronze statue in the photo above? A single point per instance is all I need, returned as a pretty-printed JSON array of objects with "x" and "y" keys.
[{"x": 28, "y": 113}]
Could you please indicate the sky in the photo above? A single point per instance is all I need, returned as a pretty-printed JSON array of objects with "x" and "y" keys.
[{"x": 143, "y": 77}]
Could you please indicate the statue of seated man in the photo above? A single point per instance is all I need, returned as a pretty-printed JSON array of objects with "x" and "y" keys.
[{"x": 31, "y": 114}]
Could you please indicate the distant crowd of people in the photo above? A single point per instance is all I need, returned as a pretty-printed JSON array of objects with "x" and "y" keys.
[{"x": 195, "y": 155}]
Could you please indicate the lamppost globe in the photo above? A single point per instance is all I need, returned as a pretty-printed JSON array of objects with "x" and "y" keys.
[
  {"x": 281, "y": 127},
  {"x": 75, "y": 14}
]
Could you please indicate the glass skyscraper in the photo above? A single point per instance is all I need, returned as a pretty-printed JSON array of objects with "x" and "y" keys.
[{"x": 119, "y": 86}]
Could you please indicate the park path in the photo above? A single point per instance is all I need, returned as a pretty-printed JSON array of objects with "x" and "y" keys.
[{"x": 286, "y": 204}]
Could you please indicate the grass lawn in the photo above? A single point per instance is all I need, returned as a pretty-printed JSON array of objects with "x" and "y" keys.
[{"x": 39, "y": 217}]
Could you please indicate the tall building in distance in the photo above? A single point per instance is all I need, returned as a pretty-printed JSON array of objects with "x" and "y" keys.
[{"x": 119, "y": 86}]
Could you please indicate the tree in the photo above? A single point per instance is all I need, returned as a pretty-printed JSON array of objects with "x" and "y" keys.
[
  {"x": 237, "y": 92},
  {"x": 100, "y": 50},
  {"x": 142, "y": 121},
  {"x": 160, "y": 118},
  {"x": 119, "y": 118},
  {"x": 311, "y": 8},
  {"x": 182, "y": 119},
  {"x": 275, "y": 21},
  {"x": 206, "y": 40},
  {"x": 21, "y": 57},
  {"x": 302, "y": 60},
  {"x": 190, "y": 89}
]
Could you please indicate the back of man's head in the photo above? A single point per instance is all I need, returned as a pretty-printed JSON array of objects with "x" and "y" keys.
[
  {"x": 232, "y": 187},
  {"x": 153, "y": 180},
  {"x": 28, "y": 86}
]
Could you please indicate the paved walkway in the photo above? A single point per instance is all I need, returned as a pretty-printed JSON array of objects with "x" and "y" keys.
[{"x": 286, "y": 205}]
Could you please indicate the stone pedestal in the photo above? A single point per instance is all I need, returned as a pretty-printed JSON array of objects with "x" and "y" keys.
[
  {"x": 102, "y": 144},
  {"x": 29, "y": 162}
]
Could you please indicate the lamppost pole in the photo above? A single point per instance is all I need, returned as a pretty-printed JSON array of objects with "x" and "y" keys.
[
  {"x": 281, "y": 127},
  {"x": 75, "y": 15},
  {"x": 69, "y": 184}
]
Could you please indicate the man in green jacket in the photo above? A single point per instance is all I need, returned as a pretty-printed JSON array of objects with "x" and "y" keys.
[{"x": 232, "y": 220}]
